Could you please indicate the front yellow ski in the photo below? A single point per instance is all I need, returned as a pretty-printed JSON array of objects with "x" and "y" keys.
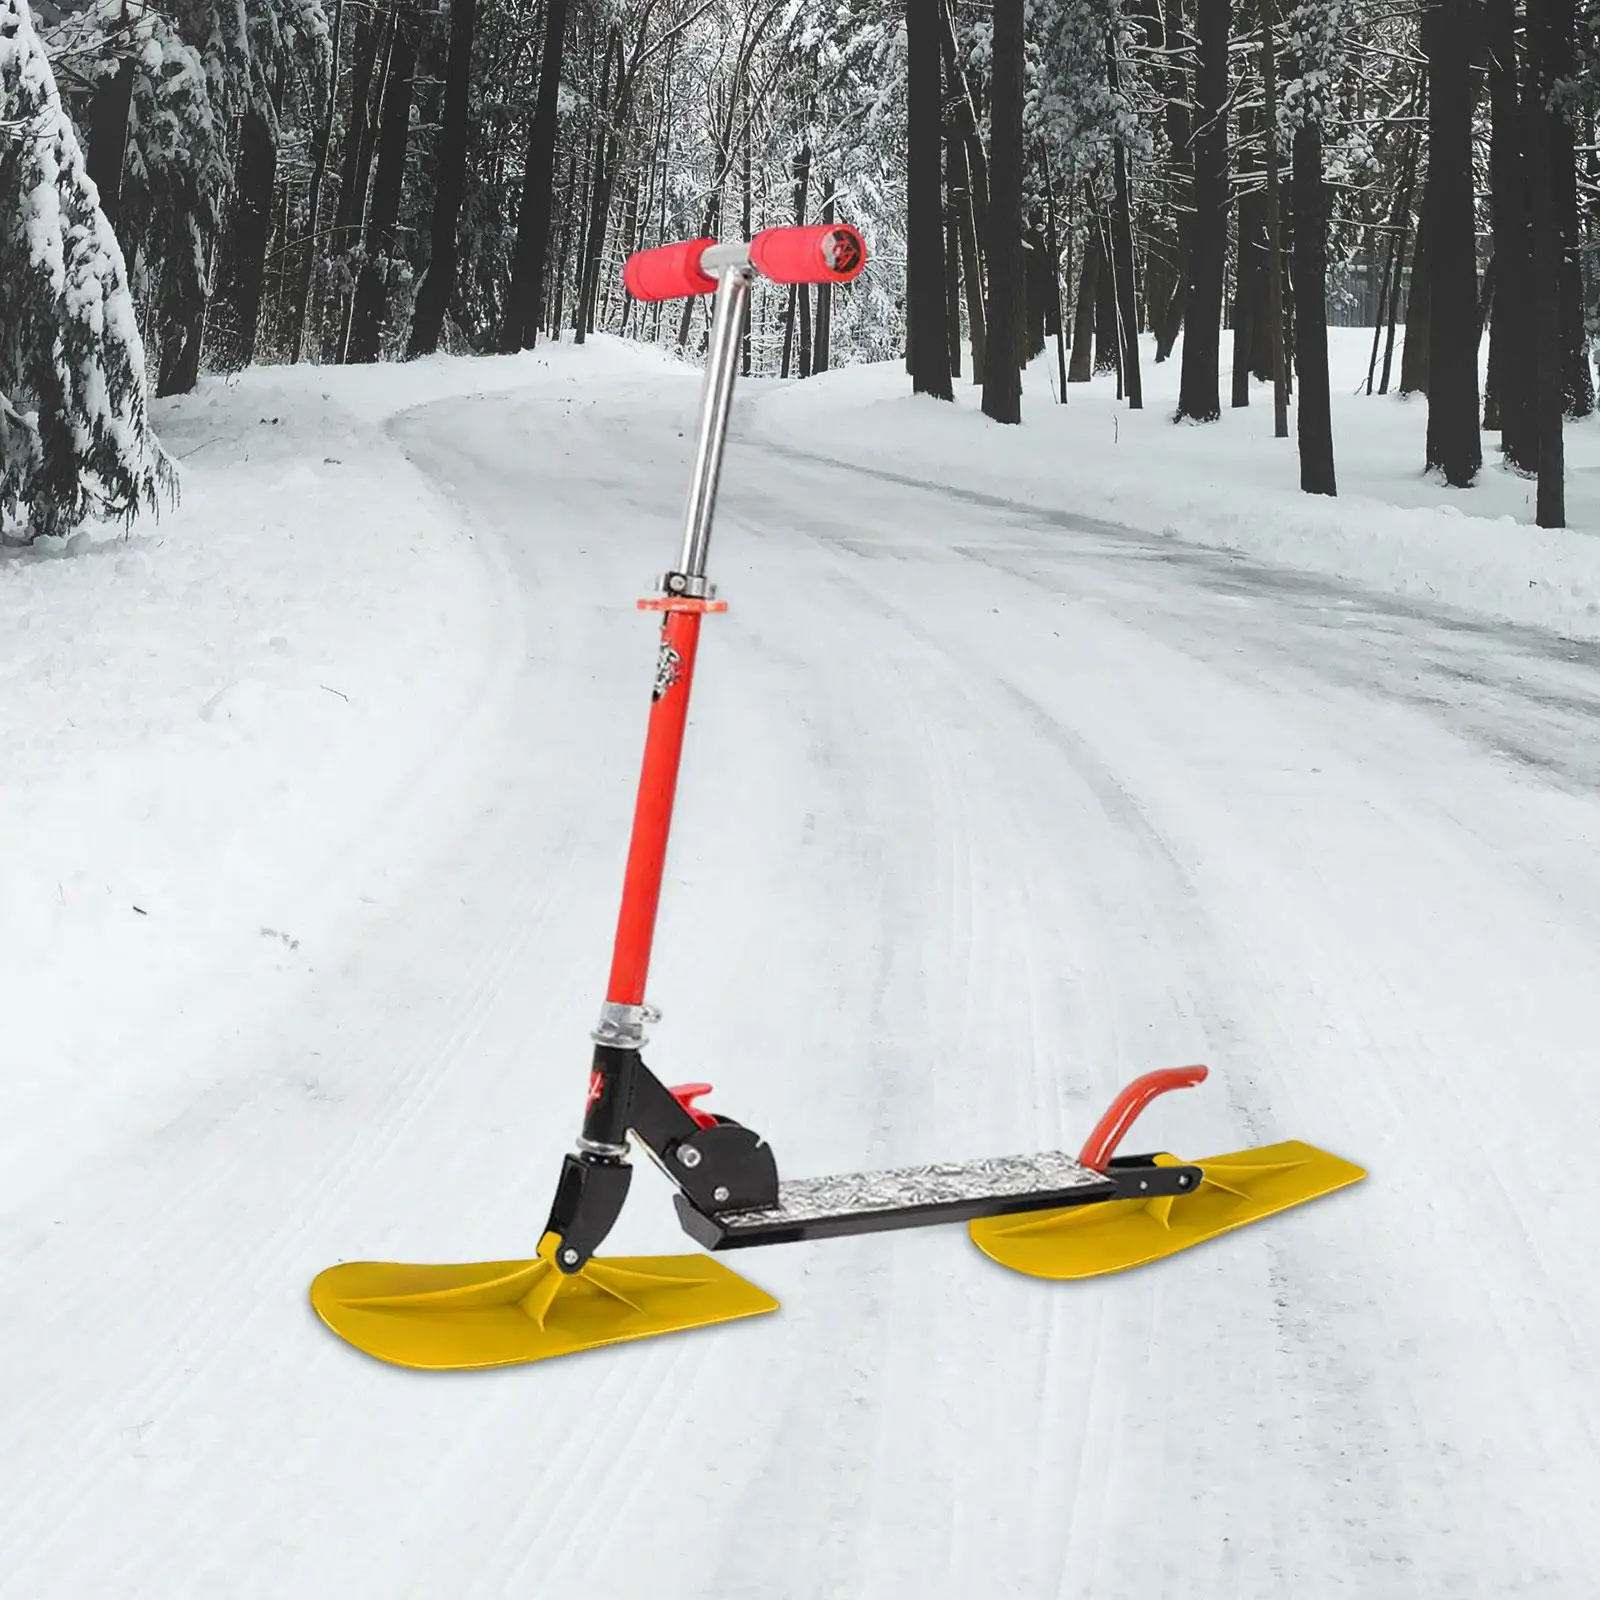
[
  {"x": 1111, "y": 1236},
  {"x": 502, "y": 1313}
]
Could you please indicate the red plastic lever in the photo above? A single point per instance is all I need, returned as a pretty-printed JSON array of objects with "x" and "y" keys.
[
  {"x": 832, "y": 252},
  {"x": 669, "y": 272},
  {"x": 1108, "y": 1131},
  {"x": 686, "y": 1094}
]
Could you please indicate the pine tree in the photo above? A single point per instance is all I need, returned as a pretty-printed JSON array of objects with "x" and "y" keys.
[
  {"x": 200, "y": 69},
  {"x": 75, "y": 435}
]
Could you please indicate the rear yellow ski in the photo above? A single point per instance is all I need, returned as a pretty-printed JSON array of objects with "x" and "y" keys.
[{"x": 1114, "y": 1235}]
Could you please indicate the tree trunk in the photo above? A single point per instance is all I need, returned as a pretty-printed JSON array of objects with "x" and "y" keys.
[
  {"x": 563, "y": 254},
  {"x": 1544, "y": 153},
  {"x": 1081, "y": 368},
  {"x": 519, "y": 328},
  {"x": 1392, "y": 315},
  {"x": 1107, "y": 345},
  {"x": 1168, "y": 314},
  {"x": 582, "y": 203},
  {"x": 105, "y": 155},
  {"x": 1414, "y": 361},
  {"x": 628, "y": 243},
  {"x": 967, "y": 121},
  {"x": 374, "y": 54},
  {"x": 181, "y": 310},
  {"x": 1249, "y": 270},
  {"x": 746, "y": 225},
  {"x": 180, "y": 351},
  {"x": 1002, "y": 376},
  {"x": 786, "y": 361},
  {"x": 1455, "y": 447},
  {"x": 967, "y": 237},
  {"x": 1277, "y": 355},
  {"x": 1199, "y": 397},
  {"x": 601, "y": 172},
  {"x": 278, "y": 307},
  {"x": 1315, "y": 420},
  {"x": 824, "y": 356},
  {"x": 1385, "y": 278},
  {"x": 1053, "y": 245},
  {"x": 969, "y": 188},
  {"x": 370, "y": 311},
  {"x": 1510, "y": 402},
  {"x": 371, "y": 47},
  {"x": 1035, "y": 290},
  {"x": 797, "y": 312},
  {"x": 244, "y": 252},
  {"x": 319, "y": 173},
  {"x": 450, "y": 182},
  {"x": 1399, "y": 234},
  {"x": 1122, "y": 255},
  {"x": 1169, "y": 322},
  {"x": 1560, "y": 24},
  {"x": 802, "y": 185},
  {"x": 1587, "y": 144},
  {"x": 952, "y": 291}
]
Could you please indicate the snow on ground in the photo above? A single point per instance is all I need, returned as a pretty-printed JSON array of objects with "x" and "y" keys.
[
  {"x": 1231, "y": 485},
  {"x": 203, "y": 720},
  {"x": 985, "y": 811}
]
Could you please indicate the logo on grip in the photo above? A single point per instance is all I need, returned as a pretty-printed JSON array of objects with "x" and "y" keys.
[{"x": 841, "y": 251}]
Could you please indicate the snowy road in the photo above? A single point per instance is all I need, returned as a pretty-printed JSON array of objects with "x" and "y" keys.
[{"x": 985, "y": 812}]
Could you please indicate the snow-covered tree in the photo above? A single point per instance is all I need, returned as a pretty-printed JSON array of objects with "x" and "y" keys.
[
  {"x": 75, "y": 434},
  {"x": 188, "y": 149},
  {"x": 1071, "y": 103}
]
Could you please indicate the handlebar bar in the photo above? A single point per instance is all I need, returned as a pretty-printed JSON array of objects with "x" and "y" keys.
[{"x": 832, "y": 252}]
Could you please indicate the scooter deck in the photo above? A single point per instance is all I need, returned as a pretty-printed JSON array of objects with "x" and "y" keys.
[{"x": 909, "y": 1197}]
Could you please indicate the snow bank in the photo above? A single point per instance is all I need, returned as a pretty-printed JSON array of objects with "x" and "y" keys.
[
  {"x": 1231, "y": 485},
  {"x": 380, "y": 391},
  {"x": 216, "y": 729}
]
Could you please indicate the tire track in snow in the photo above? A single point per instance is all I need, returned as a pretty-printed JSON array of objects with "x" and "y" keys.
[
  {"x": 839, "y": 1326},
  {"x": 1199, "y": 938},
  {"x": 1089, "y": 1525},
  {"x": 1369, "y": 1545}
]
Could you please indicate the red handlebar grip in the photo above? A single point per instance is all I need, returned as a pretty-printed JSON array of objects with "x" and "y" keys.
[
  {"x": 670, "y": 272},
  {"x": 831, "y": 253}
]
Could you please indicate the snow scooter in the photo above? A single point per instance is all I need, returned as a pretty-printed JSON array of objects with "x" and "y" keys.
[{"x": 1051, "y": 1215}]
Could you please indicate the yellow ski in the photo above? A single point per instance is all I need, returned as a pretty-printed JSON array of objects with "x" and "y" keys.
[
  {"x": 502, "y": 1313},
  {"x": 1234, "y": 1190}
]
